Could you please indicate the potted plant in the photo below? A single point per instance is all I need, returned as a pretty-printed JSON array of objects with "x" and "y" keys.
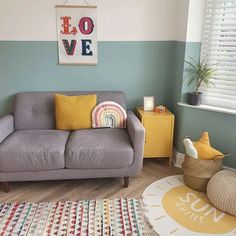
[{"x": 201, "y": 74}]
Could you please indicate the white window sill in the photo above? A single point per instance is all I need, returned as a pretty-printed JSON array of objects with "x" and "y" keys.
[{"x": 209, "y": 108}]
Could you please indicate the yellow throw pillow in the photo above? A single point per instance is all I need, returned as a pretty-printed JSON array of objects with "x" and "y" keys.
[
  {"x": 204, "y": 149},
  {"x": 74, "y": 112}
]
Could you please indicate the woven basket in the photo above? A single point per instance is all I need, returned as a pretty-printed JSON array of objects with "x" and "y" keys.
[{"x": 198, "y": 172}]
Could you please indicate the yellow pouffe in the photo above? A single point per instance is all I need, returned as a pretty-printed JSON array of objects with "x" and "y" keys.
[{"x": 221, "y": 191}]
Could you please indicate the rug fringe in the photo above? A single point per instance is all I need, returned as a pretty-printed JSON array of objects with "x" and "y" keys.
[{"x": 148, "y": 228}]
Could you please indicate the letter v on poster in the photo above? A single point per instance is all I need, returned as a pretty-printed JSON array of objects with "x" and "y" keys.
[{"x": 77, "y": 34}]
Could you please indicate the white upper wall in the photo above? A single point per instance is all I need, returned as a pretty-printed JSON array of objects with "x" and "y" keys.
[
  {"x": 182, "y": 20},
  {"x": 137, "y": 19},
  {"x": 118, "y": 20},
  {"x": 195, "y": 20}
]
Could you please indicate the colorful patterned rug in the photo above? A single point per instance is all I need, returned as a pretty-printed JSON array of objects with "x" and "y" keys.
[{"x": 70, "y": 218}]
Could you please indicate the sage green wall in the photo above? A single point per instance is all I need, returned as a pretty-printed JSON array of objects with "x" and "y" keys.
[
  {"x": 221, "y": 127},
  {"x": 137, "y": 68},
  {"x": 192, "y": 122}
]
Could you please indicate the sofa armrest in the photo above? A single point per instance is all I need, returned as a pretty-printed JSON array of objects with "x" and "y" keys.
[
  {"x": 136, "y": 133},
  {"x": 6, "y": 126}
]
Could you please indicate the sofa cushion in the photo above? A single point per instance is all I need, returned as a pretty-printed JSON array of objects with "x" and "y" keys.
[
  {"x": 74, "y": 112},
  {"x": 31, "y": 150},
  {"x": 99, "y": 148},
  {"x": 109, "y": 114}
]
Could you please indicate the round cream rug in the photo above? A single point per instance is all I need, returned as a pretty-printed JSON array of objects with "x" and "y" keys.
[{"x": 172, "y": 208}]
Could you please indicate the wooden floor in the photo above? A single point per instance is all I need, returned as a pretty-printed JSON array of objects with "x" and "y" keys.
[{"x": 153, "y": 170}]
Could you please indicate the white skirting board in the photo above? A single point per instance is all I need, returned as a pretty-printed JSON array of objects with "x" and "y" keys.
[{"x": 178, "y": 160}]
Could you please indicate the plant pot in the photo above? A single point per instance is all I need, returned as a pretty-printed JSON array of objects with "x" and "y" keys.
[{"x": 194, "y": 99}]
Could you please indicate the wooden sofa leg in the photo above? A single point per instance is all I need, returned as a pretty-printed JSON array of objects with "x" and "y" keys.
[
  {"x": 126, "y": 182},
  {"x": 5, "y": 187}
]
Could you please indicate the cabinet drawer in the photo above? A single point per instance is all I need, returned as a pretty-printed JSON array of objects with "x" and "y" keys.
[{"x": 158, "y": 137}]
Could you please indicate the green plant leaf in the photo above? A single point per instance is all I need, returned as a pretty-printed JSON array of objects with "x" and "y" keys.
[{"x": 200, "y": 72}]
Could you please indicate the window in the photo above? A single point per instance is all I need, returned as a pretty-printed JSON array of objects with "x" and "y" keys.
[{"x": 219, "y": 50}]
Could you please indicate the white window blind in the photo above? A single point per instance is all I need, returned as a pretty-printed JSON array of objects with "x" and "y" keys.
[{"x": 219, "y": 50}]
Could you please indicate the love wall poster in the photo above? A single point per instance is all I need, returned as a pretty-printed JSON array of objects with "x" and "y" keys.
[{"x": 77, "y": 34}]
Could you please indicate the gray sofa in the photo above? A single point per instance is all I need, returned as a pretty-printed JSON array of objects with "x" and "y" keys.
[{"x": 31, "y": 149}]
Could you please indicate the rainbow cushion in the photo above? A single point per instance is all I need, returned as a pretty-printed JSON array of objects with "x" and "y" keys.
[{"x": 109, "y": 115}]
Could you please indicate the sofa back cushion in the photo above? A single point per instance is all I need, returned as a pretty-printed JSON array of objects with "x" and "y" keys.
[{"x": 36, "y": 110}]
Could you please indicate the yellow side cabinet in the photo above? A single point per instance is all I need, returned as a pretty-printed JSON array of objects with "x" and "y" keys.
[{"x": 159, "y": 130}]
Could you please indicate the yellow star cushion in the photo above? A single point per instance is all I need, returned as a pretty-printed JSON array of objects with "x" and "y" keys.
[{"x": 204, "y": 149}]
